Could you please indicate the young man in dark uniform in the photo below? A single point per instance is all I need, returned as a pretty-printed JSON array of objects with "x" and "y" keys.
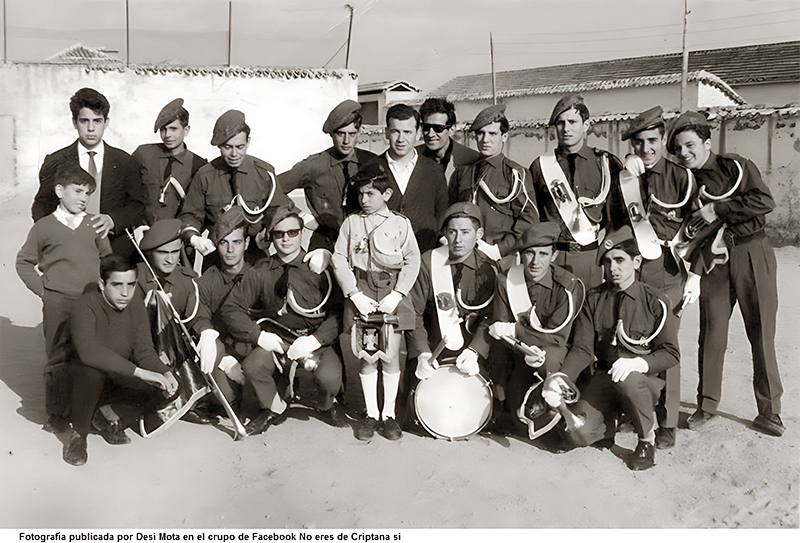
[
  {"x": 624, "y": 329},
  {"x": 438, "y": 126},
  {"x": 735, "y": 201},
  {"x": 326, "y": 177},
  {"x": 167, "y": 168},
  {"x": 575, "y": 187},
  {"x": 500, "y": 187}
]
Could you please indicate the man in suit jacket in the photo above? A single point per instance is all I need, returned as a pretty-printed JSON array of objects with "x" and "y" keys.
[
  {"x": 119, "y": 200},
  {"x": 438, "y": 126},
  {"x": 419, "y": 189}
]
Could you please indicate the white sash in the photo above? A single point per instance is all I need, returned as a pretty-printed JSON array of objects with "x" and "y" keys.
[
  {"x": 518, "y": 297},
  {"x": 646, "y": 238},
  {"x": 571, "y": 211},
  {"x": 443, "y": 289}
]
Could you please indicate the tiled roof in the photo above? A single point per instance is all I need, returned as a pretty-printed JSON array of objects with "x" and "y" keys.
[
  {"x": 386, "y": 85},
  {"x": 768, "y": 63},
  {"x": 80, "y": 54}
]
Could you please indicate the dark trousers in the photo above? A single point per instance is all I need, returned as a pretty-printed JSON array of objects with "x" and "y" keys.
[
  {"x": 583, "y": 265},
  {"x": 55, "y": 324},
  {"x": 749, "y": 278}
]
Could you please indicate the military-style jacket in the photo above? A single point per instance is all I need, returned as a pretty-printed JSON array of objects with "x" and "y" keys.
[
  {"x": 183, "y": 292},
  {"x": 215, "y": 287}
]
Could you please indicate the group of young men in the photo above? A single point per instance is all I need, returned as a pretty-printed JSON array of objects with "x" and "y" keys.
[{"x": 561, "y": 283}]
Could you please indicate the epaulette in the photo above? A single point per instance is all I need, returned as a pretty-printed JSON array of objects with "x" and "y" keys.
[
  {"x": 188, "y": 272},
  {"x": 263, "y": 165},
  {"x": 563, "y": 277},
  {"x": 611, "y": 157},
  {"x": 197, "y": 162}
]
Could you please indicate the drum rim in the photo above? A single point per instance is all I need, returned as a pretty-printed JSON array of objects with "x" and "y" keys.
[{"x": 437, "y": 435}]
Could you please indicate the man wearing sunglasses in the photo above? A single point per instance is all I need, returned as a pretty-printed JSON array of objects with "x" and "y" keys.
[
  {"x": 325, "y": 177},
  {"x": 438, "y": 126}
]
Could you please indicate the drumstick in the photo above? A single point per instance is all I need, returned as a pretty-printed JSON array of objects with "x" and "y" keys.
[{"x": 440, "y": 347}]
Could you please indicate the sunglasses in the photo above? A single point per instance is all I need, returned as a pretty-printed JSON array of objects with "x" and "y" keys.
[
  {"x": 280, "y": 234},
  {"x": 438, "y": 128}
]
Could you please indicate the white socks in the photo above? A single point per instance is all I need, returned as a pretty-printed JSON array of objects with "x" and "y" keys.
[{"x": 369, "y": 386}]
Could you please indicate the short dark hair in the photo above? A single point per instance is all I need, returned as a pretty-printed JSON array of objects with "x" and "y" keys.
[
  {"x": 582, "y": 110},
  {"x": 377, "y": 178},
  {"x": 115, "y": 263},
  {"x": 432, "y": 106},
  {"x": 461, "y": 215},
  {"x": 354, "y": 118},
  {"x": 91, "y": 99},
  {"x": 629, "y": 246},
  {"x": 289, "y": 215},
  {"x": 703, "y": 132},
  {"x": 402, "y": 112},
  {"x": 182, "y": 116},
  {"x": 70, "y": 173}
]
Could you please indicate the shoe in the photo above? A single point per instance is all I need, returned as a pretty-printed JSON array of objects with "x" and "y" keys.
[
  {"x": 263, "y": 421},
  {"x": 769, "y": 424},
  {"x": 644, "y": 457},
  {"x": 699, "y": 418},
  {"x": 337, "y": 417},
  {"x": 112, "y": 431},
  {"x": 665, "y": 437},
  {"x": 604, "y": 444},
  {"x": 75, "y": 450},
  {"x": 56, "y": 424},
  {"x": 366, "y": 429},
  {"x": 391, "y": 430},
  {"x": 199, "y": 415}
]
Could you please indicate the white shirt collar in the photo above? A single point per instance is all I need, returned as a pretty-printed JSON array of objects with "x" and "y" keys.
[{"x": 70, "y": 220}]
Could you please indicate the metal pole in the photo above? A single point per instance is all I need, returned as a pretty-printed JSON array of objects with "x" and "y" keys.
[
  {"x": 5, "y": 34},
  {"x": 349, "y": 35},
  {"x": 230, "y": 16},
  {"x": 127, "y": 33},
  {"x": 685, "y": 68},
  {"x": 494, "y": 77}
]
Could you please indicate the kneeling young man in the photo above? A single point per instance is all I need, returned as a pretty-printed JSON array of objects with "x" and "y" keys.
[
  {"x": 625, "y": 329},
  {"x": 113, "y": 352},
  {"x": 290, "y": 294}
]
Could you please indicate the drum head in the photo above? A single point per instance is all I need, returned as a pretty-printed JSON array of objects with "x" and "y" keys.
[{"x": 452, "y": 405}]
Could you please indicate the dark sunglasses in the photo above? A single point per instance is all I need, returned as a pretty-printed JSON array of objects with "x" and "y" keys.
[
  {"x": 280, "y": 234},
  {"x": 438, "y": 128}
]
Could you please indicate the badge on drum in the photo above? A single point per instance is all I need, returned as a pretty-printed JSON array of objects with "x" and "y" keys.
[{"x": 371, "y": 337}]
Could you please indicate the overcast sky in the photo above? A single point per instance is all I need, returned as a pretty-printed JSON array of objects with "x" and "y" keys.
[{"x": 421, "y": 41}]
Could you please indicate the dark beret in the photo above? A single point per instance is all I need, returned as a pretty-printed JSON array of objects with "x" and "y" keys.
[
  {"x": 691, "y": 119},
  {"x": 565, "y": 104},
  {"x": 539, "y": 235},
  {"x": 160, "y": 233},
  {"x": 615, "y": 239},
  {"x": 648, "y": 120},
  {"x": 492, "y": 114},
  {"x": 281, "y": 214},
  {"x": 227, "y": 223},
  {"x": 340, "y": 116},
  {"x": 168, "y": 113},
  {"x": 228, "y": 125},
  {"x": 468, "y": 208}
]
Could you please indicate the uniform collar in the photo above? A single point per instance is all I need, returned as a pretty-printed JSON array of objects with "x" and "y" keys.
[
  {"x": 710, "y": 163},
  {"x": 471, "y": 261},
  {"x": 496, "y": 160},
  {"x": 180, "y": 157},
  {"x": 384, "y": 212},
  {"x": 275, "y": 261},
  {"x": 583, "y": 152},
  {"x": 546, "y": 282},
  {"x": 335, "y": 160},
  {"x": 634, "y": 291},
  {"x": 227, "y": 279},
  {"x": 658, "y": 167}
]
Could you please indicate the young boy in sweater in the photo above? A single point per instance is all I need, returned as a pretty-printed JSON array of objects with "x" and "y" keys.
[{"x": 58, "y": 260}]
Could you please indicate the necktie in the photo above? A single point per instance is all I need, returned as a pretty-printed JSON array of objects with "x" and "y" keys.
[
  {"x": 168, "y": 169},
  {"x": 93, "y": 205},
  {"x": 92, "y": 164},
  {"x": 346, "y": 188},
  {"x": 282, "y": 284},
  {"x": 459, "y": 270},
  {"x": 571, "y": 160}
]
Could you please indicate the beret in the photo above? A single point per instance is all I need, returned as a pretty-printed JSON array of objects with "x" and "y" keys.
[
  {"x": 468, "y": 208},
  {"x": 565, "y": 104},
  {"x": 280, "y": 214},
  {"x": 491, "y": 114},
  {"x": 539, "y": 235},
  {"x": 160, "y": 233},
  {"x": 645, "y": 121},
  {"x": 168, "y": 113},
  {"x": 227, "y": 223},
  {"x": 614, "y": 239},
  {"x": 228, "y": 125},
  {"x": 340, "y": 115},
  {"x": 690, "y": 118}
]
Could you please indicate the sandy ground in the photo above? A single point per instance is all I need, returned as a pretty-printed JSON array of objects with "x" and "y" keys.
[{"x": 305, "y": 473}]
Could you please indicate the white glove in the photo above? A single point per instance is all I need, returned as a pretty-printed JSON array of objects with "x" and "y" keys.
[
  {"x": 499, "y": 329},
  {"x": 467, "y": 362},
  {"x": 390, "y": 302},
  {"x": 302, "y": 347},
  {"x": 318, "y": 260},
  {"x": 708, "y": 213},
  {"x": 270, "y": 342},
  {"x": 554, "y": 388},
  {"x": 207, "y": 347},
  {"x": 691, "y": 291},
  {"x": 442, "y": 241},
  {"x": 364, "y": 303},
  {"x": 426, "y": 366},
  {"x": 138, "y": 233},
  {"x": 537, "y": 358},
  {"x": 624, "y": 366},
  {"x": 634, "y": 165},
  {"x": 492, "y": 251},
  {"x": 231, "y": 367},
  {"x": 309, "y": 221},
  {"x": 261, "y": 241},
  {"x": 202, "y": 245}
]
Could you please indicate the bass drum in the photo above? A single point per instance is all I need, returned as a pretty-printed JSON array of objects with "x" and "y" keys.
[{"x": 451, "y": 405}]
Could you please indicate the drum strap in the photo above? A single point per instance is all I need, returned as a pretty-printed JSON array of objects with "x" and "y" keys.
[
  {"x": 571, "y": 212},
  {"x": 444, "y": 296},
  {"x": 518, "y": 297},
  {"x": 172, "y": 182}
]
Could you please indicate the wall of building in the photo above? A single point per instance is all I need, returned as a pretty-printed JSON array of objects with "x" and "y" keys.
[
  {"x": 771, "y": 94},
  {"x": 285, "y": 110}
]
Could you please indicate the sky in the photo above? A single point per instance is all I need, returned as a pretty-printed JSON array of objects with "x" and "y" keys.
[{"x": 424, "y": 42}]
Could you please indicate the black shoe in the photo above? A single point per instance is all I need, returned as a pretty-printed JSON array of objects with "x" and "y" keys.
[
  {"x": 200, "y": 415},
  {"x": 112, "y": 431},
  {"x": 699, "y": 418},
  {"x": 56, "y": 424},
  {"x": 644, "y": 457},
  {"x": 604, "y": 444},
  {"x": 769, "y": 424},
  {"x": 366, "y": 429},
  {"x": 336, "y": 416},
  {"x": 74, "y": 451},
  {"x": 263, "y": 421},
  {"x": 391, "y": 430},
  {"x": 665, "y": 437}
]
